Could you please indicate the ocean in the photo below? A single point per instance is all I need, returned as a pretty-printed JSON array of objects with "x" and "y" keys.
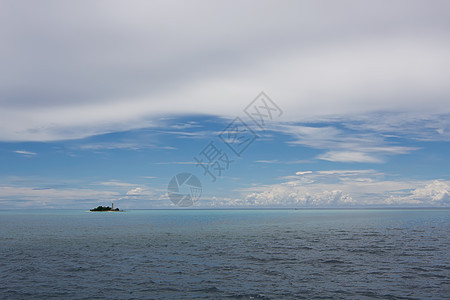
[{"x": 225, "y": 254}]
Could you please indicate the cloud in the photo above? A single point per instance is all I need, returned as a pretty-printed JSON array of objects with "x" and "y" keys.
[
  {"x": 139, "y": 191},
  {"x": 349, "y": 156},
  {"x": 144, "y": 197},
  {"x": 53, "y": 197},
  {"x": 137, "y": 144},
  {"x": 39, "y": 192},
  {"x": 185, "y": 125},
  {"x": 109, "y": 146},
  {"x": 303, "y": 172},
  {"x": 435, "y": 193},
  {"x": 135, "y": 192},
  {"x": 343, "y": 188},
  {"x": 116, "y": 183},
  {"x": 289, "y": 197},
  {"x": 77, "y": 70},
  {"x": 273, "y": 161},
  {"x": 25, "y": 153},
  {"x": 346, "y": 172},
  {"x": 416, "y": 126},
  {"x": 179, "y": 163},
  {"x": 349, "y": 145}
]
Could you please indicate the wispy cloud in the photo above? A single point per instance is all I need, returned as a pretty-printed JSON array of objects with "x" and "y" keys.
[
  {"x": 285, "y": 162},
  {"x": 179, "y": 163},
  {"x": 187, "y": 125},
  {"x": 349, "y": 156},
  {"x": 138, "y": 145},
  {"x": 135, "y": 192},
  {"x": 116, "y": 183},
  {"x": 273, "y": 161},
  {"x": 347, "y": 172},
  {"x": 303, "y": 172},
  {"x": 192, "y": 134},
  {"x": 343, "y": 145},
  {"x": 109, "y": 146},
  {"x": 413, "y": 126},
  {"x": 54, "y": 197},
  {"x": 25, "y": 153}
]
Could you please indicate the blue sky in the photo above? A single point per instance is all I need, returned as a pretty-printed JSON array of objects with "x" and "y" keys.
[
  {"x": 323, "y": 164},
  {"x": 108, "y": 101}
]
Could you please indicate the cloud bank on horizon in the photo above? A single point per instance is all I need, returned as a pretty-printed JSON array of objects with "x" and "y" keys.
[{"x": 115, "y": 86}]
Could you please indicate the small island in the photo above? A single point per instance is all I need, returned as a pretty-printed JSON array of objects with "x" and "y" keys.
[{"x": 105, "y": 208}]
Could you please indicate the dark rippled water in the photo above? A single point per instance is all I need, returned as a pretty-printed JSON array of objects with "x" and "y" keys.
[{"x": 174, "y": 254}]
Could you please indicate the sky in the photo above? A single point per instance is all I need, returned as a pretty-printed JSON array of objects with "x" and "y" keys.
[{"x": 267, "y": 103}]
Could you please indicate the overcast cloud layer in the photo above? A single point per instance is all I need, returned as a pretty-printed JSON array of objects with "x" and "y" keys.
[{"x": 70, "y": 70}]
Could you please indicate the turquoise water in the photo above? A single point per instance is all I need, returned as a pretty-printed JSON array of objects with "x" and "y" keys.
[{"x": 235, "y": 254}]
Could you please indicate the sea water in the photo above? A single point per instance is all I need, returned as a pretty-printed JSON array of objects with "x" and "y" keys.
[{"x": 235, "y": 254}]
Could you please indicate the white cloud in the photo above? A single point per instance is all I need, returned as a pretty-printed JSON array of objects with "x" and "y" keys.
[
  {"x": 139, "y": 191},
  {"x": 51, "y": 197},
  {"x": 185, "y": 126},
  {"x": 346, "y": 172},
  {"x": 435, "y": 193},
  {"x": 25, "y": 153},
  {"x": 349, "y": 156},
  {"x": 343, "y": 188},
  {"x": 41, "y": 196},
  {"x": 178, "y": 163},
  {"x": 109, "y": 146},
  {"x": 303, "y": 172},
  {"x": 267, "y": 161},
  {"x": 347, "y": 145},
  {"x": 135, "y": 192},
  {"x": 137, "y": 144},
  {"x": 423, "y": 127},
  {"x": 144, "y": 66},
  {"x": 282, "y": 196},
  {"x": 116, "y": 183}
]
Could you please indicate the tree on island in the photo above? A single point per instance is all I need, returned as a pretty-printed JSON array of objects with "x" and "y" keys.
[{"x": 104, "y": 208}]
